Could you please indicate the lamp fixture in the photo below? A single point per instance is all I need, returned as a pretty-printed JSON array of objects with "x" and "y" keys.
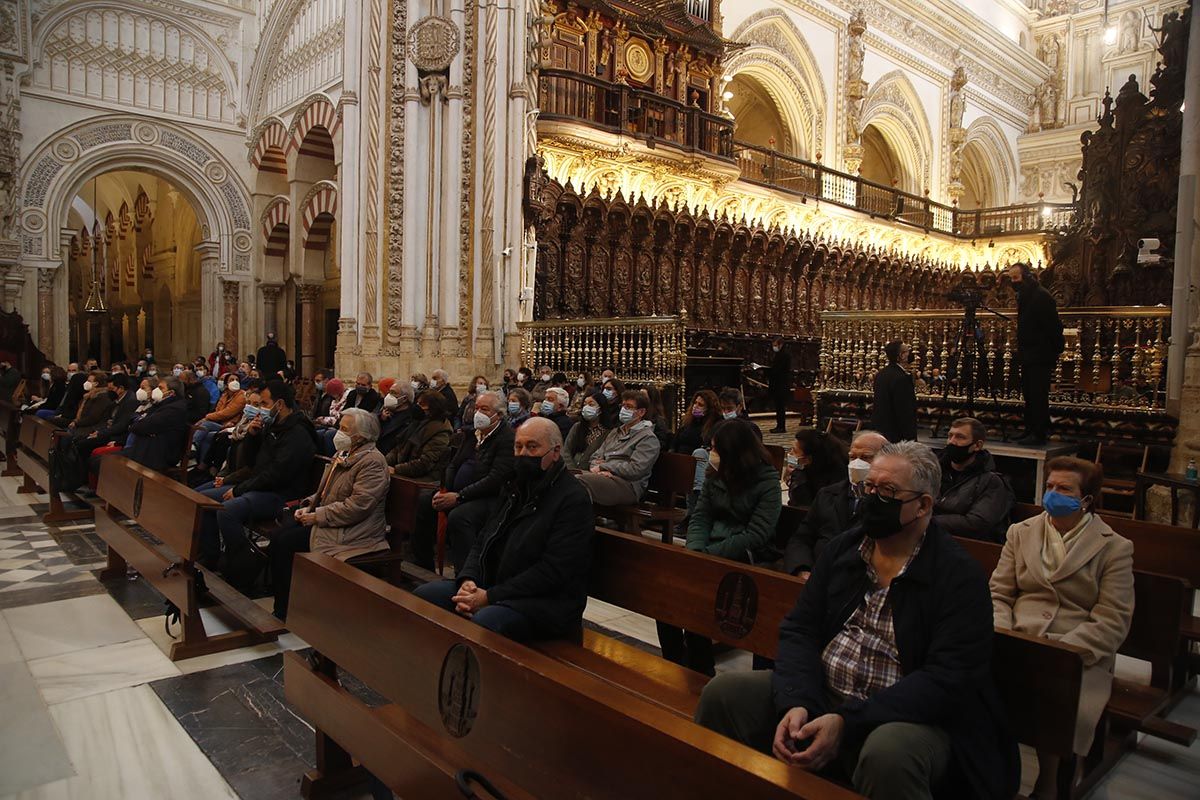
[{"x": 95, "y": 299}]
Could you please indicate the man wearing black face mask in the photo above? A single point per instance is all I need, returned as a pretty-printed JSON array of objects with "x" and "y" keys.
[
  {"x": 895, "y": 412},
  {"x": 527, "y": 573},
  {"x": 884, "y": 669},
  {"x": 1039, "y": 344},
  {"x": 974, "y": 500}
]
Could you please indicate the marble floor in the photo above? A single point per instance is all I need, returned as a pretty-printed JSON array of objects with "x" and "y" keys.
[{"x": 91, "y": 707}]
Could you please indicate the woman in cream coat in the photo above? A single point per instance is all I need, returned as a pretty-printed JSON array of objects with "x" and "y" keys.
[{"x": 1067, "y": 576}]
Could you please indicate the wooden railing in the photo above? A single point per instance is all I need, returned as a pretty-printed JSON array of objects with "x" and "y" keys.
[
  {"x": 796, "y": 176},
  {"x": 621, "y": 108},
  {"x": 1115, "y": 357}
]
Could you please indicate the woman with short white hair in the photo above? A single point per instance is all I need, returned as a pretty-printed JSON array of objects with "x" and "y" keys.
[{"x": 345, "y": 517}]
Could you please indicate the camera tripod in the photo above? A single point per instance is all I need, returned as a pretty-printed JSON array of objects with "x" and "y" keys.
[{"x": 965, "y": 365}]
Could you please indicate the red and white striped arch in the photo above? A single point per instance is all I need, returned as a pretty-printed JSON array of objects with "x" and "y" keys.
[
  {"x": 321, "y": 203},
  {"x": 317, "y": 113},
  {"x": 270, "y": 151},
  {"x": 276, "y": 225}
]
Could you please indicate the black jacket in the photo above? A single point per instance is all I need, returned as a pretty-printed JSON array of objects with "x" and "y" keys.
[
  {"x": 942, "y": 612},
  {"x": 974, "y": 503},
  {"x": 690, "y": 437},
  {"x": 284, "y": 460},
  {"x": 158, "y": 436},
  {"x": 493, "y": 463},
  {"x": 563, "y": 421},
  {"x": 72, "y": 398},
  {"x": 94, "y": 412},
  {"x": 367, "y": 401},
  {"x": 199, "y": 402},
  {"x": 828, "y": 517},
  {"x": 1039, "y": 330},
  {"x": 321, "y": 407},
  {"x": 779, "y": 374},
  {"x": 895, "y": 412},
  {"x": 54, "y": 396},
  {"x": 449, "y": 398},
  {"x": 391, "y": 430},
  {"x": 270, "y": 360},
  {"x": 535, "y": 554},
  {"x": 117, "y": 426}
]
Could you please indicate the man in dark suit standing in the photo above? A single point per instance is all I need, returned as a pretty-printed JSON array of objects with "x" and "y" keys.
[
  {"x": 1039, "y": 344},
  {"x": 895, "y": 413},
  {"x": 779, "y": 383},
  {"x": 271, "y": 359}
]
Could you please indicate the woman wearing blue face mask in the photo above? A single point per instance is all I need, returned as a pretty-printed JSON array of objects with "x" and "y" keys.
[
  {"x": 519, "y": 403},
  {"x": 609, "y": 398},
  {"x": 1067, "y": 576}
]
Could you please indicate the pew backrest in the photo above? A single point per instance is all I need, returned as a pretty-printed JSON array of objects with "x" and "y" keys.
[
  {"x": 515, "y": 712},
  {"x": 37, "y": 436},
  {"x": 166, "y": 509}
]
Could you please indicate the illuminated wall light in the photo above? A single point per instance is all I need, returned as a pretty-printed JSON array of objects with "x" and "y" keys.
[
  {"x": 727, "y": 95},
  {"x": 1110, "y": 35}
]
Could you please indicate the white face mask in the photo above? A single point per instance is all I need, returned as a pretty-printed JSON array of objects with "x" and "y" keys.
[
  {"x": 88, "y": 386},
  {"x": 590, "y": 412},
  {"x": 433, "y": 384},
  {"x": 792, "y": 461},
  {"x": 580, "y": 382},
  {"x": 480, "y": 388},
  {"x": 177, "y": 372},
  {"x": 546, "y": 377},
  {"x": 390, "y": 401},
  {"x": 342, "y": 441},
  {"x": 233, "y": 386},
  {"x": 142, "y": 395},
  {"x": 415, "y": 385},
  {"x": 199, "y": 373},
  {"x": 858, "y": 469},
  {"x": 45, "y": 376},
  {"x": 157, "y": 395},
  {"x": 482, "y": 421}
]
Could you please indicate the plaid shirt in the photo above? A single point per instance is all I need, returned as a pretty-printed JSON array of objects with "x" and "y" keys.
[{"x": 862, "y": 658}]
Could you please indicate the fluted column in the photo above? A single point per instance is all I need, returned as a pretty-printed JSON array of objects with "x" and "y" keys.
[
  {"x": 231, "y": 292},
  {"x": 45, "y": 311},
  {"x": 310, "y": 296}
]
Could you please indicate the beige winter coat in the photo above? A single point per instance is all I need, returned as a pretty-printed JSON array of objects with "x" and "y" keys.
[
  {"x": 350, "y": 506},
  {"x": 1087, "y": 602}
]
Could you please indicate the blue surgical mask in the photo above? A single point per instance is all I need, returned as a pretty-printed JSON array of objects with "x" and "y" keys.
[
  {"x": 609, "y": 394},
  {"x": 729, "y": 415},
  {"x": 1060, "y": 505},
  {"x": 266, "y": 415},
  {"x": 625, "y": 415},
  {"x": 514, "y": 408},
  {"x": 251, "y": 412},
  {"x": 547, "y": 407}
]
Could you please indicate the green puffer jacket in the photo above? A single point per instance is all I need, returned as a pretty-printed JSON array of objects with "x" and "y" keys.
[{"x": 730, "y": 525}]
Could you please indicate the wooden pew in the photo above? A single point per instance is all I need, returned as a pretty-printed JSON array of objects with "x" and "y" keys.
[
  {"x": 39, "y": 441},
  {"x": 1160, "y": 604},
  {"x": 10, "y": 429},
  {"x": 673, "y": 477},
  {"x": 172, "y": 513},
  {"x": 464, "y": 701},
  {"x": 743, "y": 606}
]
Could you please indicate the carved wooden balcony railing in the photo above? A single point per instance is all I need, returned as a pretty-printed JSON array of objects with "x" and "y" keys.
[
  {"x": 796, "y": 176},
  {"x": 1115, "y": 357},
  {"x": 620, "y": 108},
  {"x": 639, "y": 349}
]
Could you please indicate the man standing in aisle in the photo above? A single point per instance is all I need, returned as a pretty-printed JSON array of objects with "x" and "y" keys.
[
  {"x": 271, "y": 359},
  {"x": 1039, "y": 344}
]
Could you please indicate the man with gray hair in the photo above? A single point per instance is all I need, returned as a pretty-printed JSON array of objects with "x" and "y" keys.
[
  {"x": 883, "y": 673},
  {"x": 363, "y": 395},
  {"x": 554, "y": 408},
  {"x": 526, "y": 575},
  {"x": 475, "y": 477}
]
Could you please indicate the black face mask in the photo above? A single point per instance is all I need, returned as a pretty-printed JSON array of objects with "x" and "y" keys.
[
  {"x": 528, "y": 468},
  {"x": 881, "y": 518},
  {"x": 958, "y": 453}
]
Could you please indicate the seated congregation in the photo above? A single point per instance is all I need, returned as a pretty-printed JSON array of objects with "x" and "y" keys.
[{"x": 881, "y": 677}]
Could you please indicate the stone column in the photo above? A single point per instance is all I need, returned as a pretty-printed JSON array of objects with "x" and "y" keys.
[
  {"x": 141, "y": 332},
  {"x": 310, "y": 296},
  {"x": 231, "y": 291},
  {"x": 14, "y": 280},
  {"x": 270, "y": 293},
  {"x": 45, "y": 311}
]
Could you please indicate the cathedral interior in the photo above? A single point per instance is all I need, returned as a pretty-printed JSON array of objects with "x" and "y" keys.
[{"x": 658, "y": 188}]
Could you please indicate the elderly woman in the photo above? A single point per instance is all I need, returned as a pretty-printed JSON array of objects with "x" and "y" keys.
[
  {"x": 1067, "y": 576},
  {"x": 345, "y": 518},
  {"x": 519, "y": 404}
]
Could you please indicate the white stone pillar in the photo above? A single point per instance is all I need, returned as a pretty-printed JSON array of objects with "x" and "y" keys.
[
  {"x": 349, "y": 219},
  {"x": 1185, "y": 298},
  {"x": 211, "y": 299}
]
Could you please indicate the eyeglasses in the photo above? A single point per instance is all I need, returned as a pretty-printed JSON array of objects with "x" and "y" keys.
[{"x": 887, "y": 492}]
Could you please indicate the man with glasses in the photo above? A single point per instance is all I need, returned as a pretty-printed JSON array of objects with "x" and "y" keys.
[{"x": 884, "y": 669}]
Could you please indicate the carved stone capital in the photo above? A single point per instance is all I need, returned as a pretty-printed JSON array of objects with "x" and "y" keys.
[
  {"x": 270, "y": 292},
  {"x": 310, "y": 292},
  {"x": 45, "y": 279},
  {"x": 230, "y": 290}
]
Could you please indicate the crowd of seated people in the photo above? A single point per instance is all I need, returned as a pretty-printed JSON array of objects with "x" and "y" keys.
[{"x": 881, "y": 675}]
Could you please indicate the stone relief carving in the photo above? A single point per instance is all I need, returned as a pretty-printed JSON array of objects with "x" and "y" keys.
[
  {"x": 310, "y": 54},
  {"x": 856, "y": 90},
  {"x": 137, "y": 59},
  {"x": 398, "y": 25}
]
